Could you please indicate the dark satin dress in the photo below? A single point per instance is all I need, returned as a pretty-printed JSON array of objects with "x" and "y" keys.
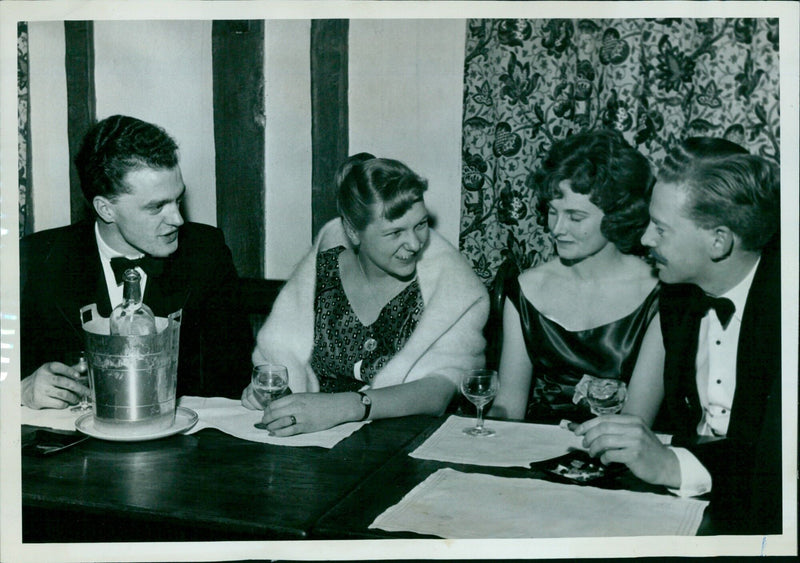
[
  {"x": 347, "y": 354},
  {"x": 561, "y": 357}
]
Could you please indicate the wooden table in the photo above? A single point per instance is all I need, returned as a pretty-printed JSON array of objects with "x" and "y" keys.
[
  {"x": 210, "y": 486},
  {"x": 200, "y": 487},
  {"x": 350, "y": 518}
]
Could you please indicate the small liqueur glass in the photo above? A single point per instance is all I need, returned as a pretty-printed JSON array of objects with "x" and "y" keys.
[
  {"x": 479, "y": 387},
  {"x": 269, "y": 382},
  {"x": 78, "y": 363},
  {"x": 606, "y": 396}
]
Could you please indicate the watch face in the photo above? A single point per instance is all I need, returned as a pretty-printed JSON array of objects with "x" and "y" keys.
[{"x": 365, "y": 400}]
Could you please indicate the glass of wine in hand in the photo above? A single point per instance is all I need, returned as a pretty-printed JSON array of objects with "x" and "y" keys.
[
  {"x": 606, "y": 396},
  {"x": 269, "y": 382},
  {"x": 78, "y": 363},
  {"x": 479, "y": 387}
]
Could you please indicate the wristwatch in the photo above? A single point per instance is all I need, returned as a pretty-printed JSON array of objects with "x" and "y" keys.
[{"x": 367, "y": 402}]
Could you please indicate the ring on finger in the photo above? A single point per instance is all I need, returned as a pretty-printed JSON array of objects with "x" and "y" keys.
[{"x": 293, "y": 419}]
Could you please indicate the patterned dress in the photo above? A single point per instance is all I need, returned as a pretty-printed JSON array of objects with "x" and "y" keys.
[
  {"x": 561, "y": 357},
  {"x": 347, "y": 354}
]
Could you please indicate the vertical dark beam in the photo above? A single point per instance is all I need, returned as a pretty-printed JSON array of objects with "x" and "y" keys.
[
  {"x": 329, "y": 115},
  {"x": 238, "y": 69},
  {"x": 81, "y": 112}
]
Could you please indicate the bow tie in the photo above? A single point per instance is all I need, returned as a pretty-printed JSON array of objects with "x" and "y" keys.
[
  {"x": 724, "y": 308},
  {"x": 152, "y": 266}
]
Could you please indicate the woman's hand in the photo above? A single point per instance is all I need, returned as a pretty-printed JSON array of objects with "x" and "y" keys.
[
  {"x": 249, "y": 399},
  {"x": 309, "y": 412}
]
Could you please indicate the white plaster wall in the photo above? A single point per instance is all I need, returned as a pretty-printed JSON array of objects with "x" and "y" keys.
[
  {"x": 161, "y": 72},
  {"x": 49, "y": 167},
  {"x": 288, "y": 144},
  {"x": 405, "y": 103}
]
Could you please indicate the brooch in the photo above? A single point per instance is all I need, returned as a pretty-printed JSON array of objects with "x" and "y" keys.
[{"x": 370, "y": 344}]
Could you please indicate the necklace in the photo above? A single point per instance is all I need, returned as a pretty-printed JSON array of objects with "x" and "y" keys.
[{"x": 370, "y": 344}]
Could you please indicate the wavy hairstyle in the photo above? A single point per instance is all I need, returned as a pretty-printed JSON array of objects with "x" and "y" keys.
[
  {"x": 117, "y": 145},
  {"x": 725, "y": 185},
  {"x": 364, "y": 180},
  {"x": 617, "y": 178}
]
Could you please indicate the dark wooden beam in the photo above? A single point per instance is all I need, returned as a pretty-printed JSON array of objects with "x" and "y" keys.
[
  {"x": 329, "y": 114},
  {"x": 238, "y": 70},
  {"x": 81, "y": 102}
]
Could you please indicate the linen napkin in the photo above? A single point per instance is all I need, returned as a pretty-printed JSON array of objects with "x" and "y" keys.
[
  {"x": 58, "y": 419},
  {"x": 229, "y": 416},
  {"x": 453, "y": 504},
  {"x": 515, "y": 444}
]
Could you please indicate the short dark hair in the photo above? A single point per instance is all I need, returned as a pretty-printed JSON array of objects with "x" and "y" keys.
[
  {"x": 725, "y": 185},
  {"x": 616, "y": 177},
  {"x": 363, "y": 180},
  {"x": 117, "y": 145}
]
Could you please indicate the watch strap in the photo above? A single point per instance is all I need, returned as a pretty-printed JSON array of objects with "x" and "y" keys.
[{"x": 367, "y": 402}]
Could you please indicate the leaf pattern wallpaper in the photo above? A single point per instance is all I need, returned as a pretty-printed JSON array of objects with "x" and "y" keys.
[
  {"x": 528, "y": 83},
  {"x": 23, "y": 132}
]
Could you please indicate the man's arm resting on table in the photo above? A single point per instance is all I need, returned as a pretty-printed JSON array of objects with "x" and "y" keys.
[
  {"x": 627, "y": 439},
  {"x": 694, "y": 477}
]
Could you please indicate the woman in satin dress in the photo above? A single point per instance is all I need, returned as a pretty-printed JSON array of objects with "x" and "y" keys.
[{"x": 593, "y": 311}]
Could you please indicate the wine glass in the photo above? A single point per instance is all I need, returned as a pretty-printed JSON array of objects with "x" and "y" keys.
[
  {"x": 606, "y": 396},
  {"x": 479, "y": 387},
  {"x": 269, "y": 382},
  {"x": 78, "y": 363}
]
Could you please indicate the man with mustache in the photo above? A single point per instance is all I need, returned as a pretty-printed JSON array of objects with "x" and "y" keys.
[
  {"x": 131, "y": 178},
  {"x": 713, "y": 233}
]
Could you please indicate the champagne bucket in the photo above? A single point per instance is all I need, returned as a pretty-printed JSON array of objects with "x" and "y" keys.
[{"x": 132, "y": 378}]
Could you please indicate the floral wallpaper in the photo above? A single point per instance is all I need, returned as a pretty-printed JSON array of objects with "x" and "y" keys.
[
  {"x": 23, "y": 114},
  {"x": 529, "y": 83}
]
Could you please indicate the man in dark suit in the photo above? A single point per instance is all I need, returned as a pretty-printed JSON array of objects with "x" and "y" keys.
[
  {"x": 130, "y": 176},
  {"x": 714, "y": 237}
]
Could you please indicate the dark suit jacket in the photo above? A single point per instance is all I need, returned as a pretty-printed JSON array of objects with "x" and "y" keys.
[
  {"x": 60, "y": 272},
  {"x": 745, "y": 466}
]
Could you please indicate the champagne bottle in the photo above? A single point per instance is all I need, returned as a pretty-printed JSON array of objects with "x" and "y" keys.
[{"x": 132, "y": 317}]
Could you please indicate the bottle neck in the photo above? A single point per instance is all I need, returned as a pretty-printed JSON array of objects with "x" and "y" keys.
[{"x": 132, "y": 289}]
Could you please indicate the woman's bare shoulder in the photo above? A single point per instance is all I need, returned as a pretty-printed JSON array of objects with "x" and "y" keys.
[{"x": 536, "y": 280}]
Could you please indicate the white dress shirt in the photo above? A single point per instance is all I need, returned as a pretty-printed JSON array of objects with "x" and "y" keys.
[
  {"x": 716, "y": 383},
  {"x": 106, "y": 254}
]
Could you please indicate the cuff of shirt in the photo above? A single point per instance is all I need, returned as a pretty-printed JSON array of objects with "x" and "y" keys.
[{"x": 695, "y": 478}]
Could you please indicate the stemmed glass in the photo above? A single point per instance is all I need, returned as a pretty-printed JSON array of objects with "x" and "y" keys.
[
  {"x": 269, "y": 382},
  {"x": 479, "y": 387},
  {"x": 606, "y": 396},
  {"x": 79, "y": 364}
]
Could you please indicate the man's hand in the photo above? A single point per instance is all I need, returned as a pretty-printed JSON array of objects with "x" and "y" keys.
[
  {"x": 626, "y": 439},
  {"x": 54, "y": 385}
]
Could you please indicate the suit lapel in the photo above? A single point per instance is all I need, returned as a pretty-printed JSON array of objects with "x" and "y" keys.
[
  {"x": 82, "y": 281},
  {"x": 680, "y": 370},
  {"x": 169, "y": 292},
  {"x": 758, "y": 351}
]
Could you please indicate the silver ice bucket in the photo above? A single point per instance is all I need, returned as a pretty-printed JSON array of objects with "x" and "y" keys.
[{"x": 132, "y": 378}]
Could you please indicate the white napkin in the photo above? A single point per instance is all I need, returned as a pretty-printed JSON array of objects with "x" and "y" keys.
[
  {"x": 229, "y": 416},
  {"x": 452, "y": 504},
  {"x": 59, "y": 419},
  {"x": 515, "y": 444}
]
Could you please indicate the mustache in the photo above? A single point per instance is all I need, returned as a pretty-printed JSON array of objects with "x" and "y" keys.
[{"x": 656, "y": 257}]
